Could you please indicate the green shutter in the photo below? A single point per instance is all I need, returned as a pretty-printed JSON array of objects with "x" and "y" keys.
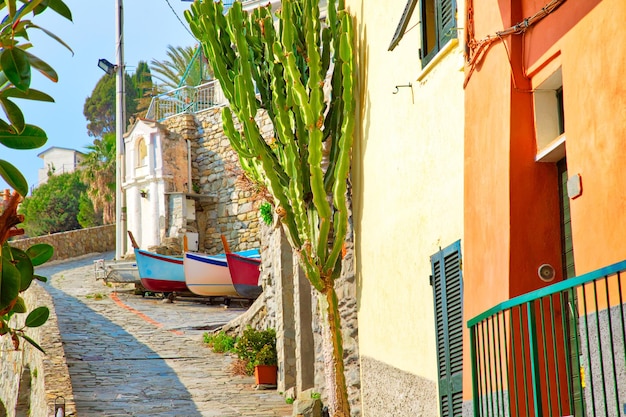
[
  {"x": 439, "y": 26},
  {"x": 446, "y": 21},
  {"x": 447, "y": 282}
]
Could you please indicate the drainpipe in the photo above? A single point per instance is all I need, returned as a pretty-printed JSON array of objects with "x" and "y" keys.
[{"x": 189, "y": 187}]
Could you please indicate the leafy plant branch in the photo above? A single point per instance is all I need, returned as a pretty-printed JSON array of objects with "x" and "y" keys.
[{"x": 16, "y": 65}]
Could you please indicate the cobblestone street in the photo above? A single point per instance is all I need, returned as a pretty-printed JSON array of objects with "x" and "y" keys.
[{"x": 135, "y": 356}]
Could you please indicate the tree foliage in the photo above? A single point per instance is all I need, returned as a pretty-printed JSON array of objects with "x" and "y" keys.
[
  {"x": 99, "y": 108},
  {"x": 98, "y": 172},
  {"x": 53, "y": 207},
  {"x": 144, "y": 87},
  {"x": 16, "y": 64},
  {"x": 171, "y": 71},
  {"x": 88, "y": 216}
]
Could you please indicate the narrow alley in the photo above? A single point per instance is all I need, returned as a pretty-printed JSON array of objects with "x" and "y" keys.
[{"x": 134, "y": 356}]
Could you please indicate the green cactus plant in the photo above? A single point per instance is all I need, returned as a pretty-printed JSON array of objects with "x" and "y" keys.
[{"x": 301, "y": 73}]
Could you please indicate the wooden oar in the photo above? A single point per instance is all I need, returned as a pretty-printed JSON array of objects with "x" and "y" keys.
[
  {"x": 225, "y": 243},
  {"x": 132, "y": 240}
]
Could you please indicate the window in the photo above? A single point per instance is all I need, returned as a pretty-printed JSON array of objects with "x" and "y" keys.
[
  {"x": 550, "y": 119},
  {"x": 142, "y": 153},
  {"x": 438, "y": 18}
]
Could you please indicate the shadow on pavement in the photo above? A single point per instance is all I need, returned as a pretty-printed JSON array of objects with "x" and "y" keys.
[{"x": 112, "y": 373}]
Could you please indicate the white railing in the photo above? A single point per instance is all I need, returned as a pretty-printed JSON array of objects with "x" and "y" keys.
[{"x": 186, "y": 100}]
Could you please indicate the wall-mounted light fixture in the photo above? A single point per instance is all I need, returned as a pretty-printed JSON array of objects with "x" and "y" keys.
[
  {"x": 106, "y": 66},
  {"x": 143, "y": 193}
]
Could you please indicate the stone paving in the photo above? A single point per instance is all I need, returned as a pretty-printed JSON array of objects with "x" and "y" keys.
[{"x": 133, "y": 356}]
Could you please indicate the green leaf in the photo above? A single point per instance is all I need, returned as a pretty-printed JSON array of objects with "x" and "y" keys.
[
  {"x": 13, "y": 177},
  {"x": 42, "y": 67},
  {"x": 40, "y": 253},
  {"x": 31, "y": 94},
  {"x": 32, "y": 137},
  {"x": 53, "y": 36},
  {"x": 40, "y": 278},
  {"x": 5, "y": 127},
  {"x": 9, "y": 284},
  {"x": 32, "y": 342},
  {"x": 61, "y": 8},
  {"x": 27, "y": 8},
  {"x": 15, "y": 64},
  {"x": 14, "y": 113},
  {"x": 22, "y": 262},
  {"x": 20, "y": 306},
  {"x": 37, "y": 317}
]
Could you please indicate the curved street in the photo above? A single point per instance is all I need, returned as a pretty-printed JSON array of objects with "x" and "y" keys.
[{"x": 134, "y": 356}]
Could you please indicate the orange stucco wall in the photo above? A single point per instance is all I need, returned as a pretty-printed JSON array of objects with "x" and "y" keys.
[{"x": 512, "y": 209}]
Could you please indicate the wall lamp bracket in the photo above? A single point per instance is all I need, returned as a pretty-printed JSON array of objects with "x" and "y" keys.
[{"x": 401, "y": 86}]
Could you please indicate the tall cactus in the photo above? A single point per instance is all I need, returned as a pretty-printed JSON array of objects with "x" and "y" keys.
[{"x": 283, "y": 63}]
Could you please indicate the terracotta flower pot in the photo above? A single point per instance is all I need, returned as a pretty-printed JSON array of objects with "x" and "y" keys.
[{"x": 265, "y": 374}]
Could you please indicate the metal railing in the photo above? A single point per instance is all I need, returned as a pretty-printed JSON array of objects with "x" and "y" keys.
[
  {"x": 557, "y": 351},
  {"x": 186, "y": 100}
]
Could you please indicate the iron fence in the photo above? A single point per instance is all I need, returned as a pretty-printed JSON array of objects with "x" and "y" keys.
[
  {"x": 186, "y": 100},
  {"x": 557, "y": 351}
]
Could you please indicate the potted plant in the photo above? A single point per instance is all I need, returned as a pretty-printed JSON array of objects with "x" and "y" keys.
[
  {"x": 265, "y": 366},
  {"x": 257, "y": 348}
]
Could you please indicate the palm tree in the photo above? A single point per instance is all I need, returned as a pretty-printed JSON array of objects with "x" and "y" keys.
[
  {"x": 187, "y": 62},
  {"x": 99, "y": 174}
]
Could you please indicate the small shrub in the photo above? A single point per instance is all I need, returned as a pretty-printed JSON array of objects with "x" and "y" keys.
[
  {"x": 266, "y": 213},
  {"x": 250, "y": 345},
  {"x": 219, "y": 342},
  {"x": 289, "y": 400}
]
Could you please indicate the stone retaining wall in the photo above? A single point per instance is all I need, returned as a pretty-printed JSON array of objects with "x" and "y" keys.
[
  {"x": 216, "y": 172},
  {"x": 75, "y": 242},
  {"x": 30, "y": 381}
]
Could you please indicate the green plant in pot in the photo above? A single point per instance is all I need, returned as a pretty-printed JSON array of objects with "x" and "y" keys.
[
  {"x": 258, "y": 349},
  {"x": 265, "y": 365}
]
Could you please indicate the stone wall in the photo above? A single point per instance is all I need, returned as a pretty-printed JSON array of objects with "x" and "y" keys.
[
  {"x": 233, "y": 212},
  {"x": 75, "y": 242},
  {"x": 30, "y": 381},
  {"x": 292, "y": 309}
]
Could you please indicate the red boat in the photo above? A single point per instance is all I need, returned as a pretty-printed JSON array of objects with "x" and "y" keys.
[{"x": 244, "y": 272}]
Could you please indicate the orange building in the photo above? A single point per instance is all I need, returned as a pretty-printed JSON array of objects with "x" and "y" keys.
[{"x": 545, "y": 151}]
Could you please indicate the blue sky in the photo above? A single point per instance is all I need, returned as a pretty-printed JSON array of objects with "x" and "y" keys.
[{"x": 149, "y": 27}]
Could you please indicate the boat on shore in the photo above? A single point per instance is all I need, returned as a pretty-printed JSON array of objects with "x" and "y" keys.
[
  {"x": 209, "y": 275},
  {"x": 244, "y": 272},
  {"x": 160, "y": 273}
]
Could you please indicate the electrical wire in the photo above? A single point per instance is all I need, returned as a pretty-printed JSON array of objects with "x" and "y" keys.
[
  {"x": 178, "y": 17},
  {"x": 478, "y": 49}
]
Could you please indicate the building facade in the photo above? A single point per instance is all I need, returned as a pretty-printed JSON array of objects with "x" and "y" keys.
[
  {"x": 545, "y": 134},
  {"x": 58, "y": 160},
  {"x": 408, "y": 204}
]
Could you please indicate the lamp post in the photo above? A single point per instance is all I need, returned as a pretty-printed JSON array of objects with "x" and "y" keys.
[
  {"x": 120, "y": 128},
  {"x": 120, "y": 122}
]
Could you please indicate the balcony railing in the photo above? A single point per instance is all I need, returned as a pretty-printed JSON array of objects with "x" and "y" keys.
[
  {"x": 557, "y": 351},
  {"x": 186, "y": 100}
]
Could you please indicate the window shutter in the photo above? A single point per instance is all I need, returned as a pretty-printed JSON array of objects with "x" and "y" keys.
[
  {"x": 446, "y": 21},
  {"x": 448, "y": 301}
]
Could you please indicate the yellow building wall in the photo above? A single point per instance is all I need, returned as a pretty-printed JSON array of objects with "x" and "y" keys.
[{"x": 408, "y": 201}]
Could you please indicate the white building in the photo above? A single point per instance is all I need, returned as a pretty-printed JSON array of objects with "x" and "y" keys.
[
  {"x": 156, "y": 182},
  {"x": 57, "y": 160}
]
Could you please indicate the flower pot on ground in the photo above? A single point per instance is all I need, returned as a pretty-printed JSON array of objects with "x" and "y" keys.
[
  {"x": 265, "y": 374},
  {"x": 257, "y": 347}
]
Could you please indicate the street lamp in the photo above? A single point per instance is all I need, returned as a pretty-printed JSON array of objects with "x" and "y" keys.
[
  {"x": 120, "y": 109},
  {"x": 107, "y": 67}
]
